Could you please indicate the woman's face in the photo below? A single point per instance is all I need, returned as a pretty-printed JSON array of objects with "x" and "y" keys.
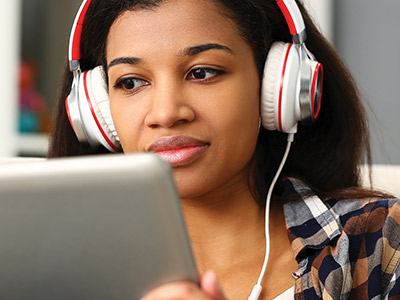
[{"x": 184, "y": 84}]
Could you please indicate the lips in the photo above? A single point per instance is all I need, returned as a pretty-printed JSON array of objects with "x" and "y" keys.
[{"x": 179, "y": 150}]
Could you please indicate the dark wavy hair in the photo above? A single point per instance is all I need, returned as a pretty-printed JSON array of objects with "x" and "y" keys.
[{"x": 326, "y": 155}]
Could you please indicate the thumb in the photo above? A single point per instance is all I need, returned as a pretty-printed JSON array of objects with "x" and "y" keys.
[{"x": 210, "y": 286}]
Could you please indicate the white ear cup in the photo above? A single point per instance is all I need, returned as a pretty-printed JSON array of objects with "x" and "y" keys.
[
  {"x": 280, "y": 88},
  {"x": 97, "y": 89},
  {"x": 270, "y": 85},
  {"x": 94, "y": 114}
]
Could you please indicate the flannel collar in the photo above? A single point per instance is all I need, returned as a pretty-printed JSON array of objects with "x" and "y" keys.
[{"x": 310, "y": 222}]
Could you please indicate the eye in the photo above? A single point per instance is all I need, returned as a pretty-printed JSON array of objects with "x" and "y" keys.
[
  {"x": 204, "y": 74},
  {"x": 130, "y": 84}
]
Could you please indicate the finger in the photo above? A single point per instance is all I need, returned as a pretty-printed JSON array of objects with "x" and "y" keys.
[{"x": 209, "y": 284}]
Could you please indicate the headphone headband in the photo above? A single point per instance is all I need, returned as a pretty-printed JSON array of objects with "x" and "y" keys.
[
  {"x": 293, "y": 17},
  {"x": 289, "y": 9},
  {"x": 74, "y": 53}
]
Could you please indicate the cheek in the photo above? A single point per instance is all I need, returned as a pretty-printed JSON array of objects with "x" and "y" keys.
[
  {"x": 240, "y": 109},
  {"x": 235, "y": 123},
  {"x": 127, "y": 124},
  {"x": 242, "y": 124}
]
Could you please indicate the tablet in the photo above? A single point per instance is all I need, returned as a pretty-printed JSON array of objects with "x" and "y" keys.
[{"x": 102, "y": 227}]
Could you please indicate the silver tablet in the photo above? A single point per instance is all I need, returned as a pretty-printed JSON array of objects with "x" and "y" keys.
[{"x": 106, "y": 227}]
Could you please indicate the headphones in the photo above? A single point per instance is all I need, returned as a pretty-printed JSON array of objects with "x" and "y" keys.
[{"x": 291, "y": 87}]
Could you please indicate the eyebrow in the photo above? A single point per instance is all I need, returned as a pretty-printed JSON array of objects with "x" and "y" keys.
[
  {"x": 194, "y": 50},
  {"x": 124, "y": 60},
  {"x": 189, "y": 51}
]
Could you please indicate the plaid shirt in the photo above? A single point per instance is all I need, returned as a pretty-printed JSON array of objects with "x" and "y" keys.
[{"x": 347, "y": 249}]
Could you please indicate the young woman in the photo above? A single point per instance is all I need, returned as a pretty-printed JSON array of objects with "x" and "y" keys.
[{"x": 185, "y": 79}]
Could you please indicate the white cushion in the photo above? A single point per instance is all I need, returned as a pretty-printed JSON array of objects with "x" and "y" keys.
[{"x": 384, "y": 177}]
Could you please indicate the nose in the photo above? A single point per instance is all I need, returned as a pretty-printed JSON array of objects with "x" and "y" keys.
[{"x": 169, "y": 106}]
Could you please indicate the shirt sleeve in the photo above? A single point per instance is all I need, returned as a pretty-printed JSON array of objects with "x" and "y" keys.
[{"x": 391, "y": 256}]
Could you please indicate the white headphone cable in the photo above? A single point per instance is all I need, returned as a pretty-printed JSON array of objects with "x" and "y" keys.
[{"x": 255, "y": 293}]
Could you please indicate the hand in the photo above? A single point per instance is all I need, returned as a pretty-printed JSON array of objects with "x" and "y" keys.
[{"x": 209, "y": 289}]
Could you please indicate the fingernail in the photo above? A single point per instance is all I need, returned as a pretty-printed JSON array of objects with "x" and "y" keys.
[{"x": 210, "y": 275}]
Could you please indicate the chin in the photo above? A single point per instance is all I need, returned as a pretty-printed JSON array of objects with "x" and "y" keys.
[{"x": 188, "y": 185}]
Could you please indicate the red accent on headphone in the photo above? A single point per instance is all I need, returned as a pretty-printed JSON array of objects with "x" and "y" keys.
[
  {"x": 76, "y": 47},
  {"x": 281, "y": 87},
  {"x": 68, "y": 113},
  {"x": 109, "y": 142},
  {"x": 288, "y": 17},
  {"x": 314, "y": 87}
]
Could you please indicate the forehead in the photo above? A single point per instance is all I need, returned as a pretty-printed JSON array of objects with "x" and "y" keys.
[{"x": 173, "y": 24}]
